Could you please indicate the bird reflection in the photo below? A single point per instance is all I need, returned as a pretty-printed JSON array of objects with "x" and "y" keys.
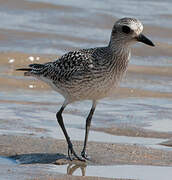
[{"x": 72, "y": 167}]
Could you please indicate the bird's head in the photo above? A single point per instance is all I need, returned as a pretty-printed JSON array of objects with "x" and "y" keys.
[{"x": 129, "y": 31}]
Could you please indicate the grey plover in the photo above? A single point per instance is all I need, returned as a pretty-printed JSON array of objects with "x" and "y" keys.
[{"x": 90, "y": 74}]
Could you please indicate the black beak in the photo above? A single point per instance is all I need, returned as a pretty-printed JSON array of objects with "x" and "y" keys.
[{"x": 144, "y": 39}]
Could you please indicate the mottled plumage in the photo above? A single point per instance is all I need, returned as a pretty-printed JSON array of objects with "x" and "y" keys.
[
  {"x": 83, "y": 74},
  {"x": 90, "y": 73}
]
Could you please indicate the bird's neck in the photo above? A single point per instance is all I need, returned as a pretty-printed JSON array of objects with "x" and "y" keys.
[
  {"x": 119, "y": 47},
  {"x": 121, "y": 51},
  {"x": 121, "y": 56}
]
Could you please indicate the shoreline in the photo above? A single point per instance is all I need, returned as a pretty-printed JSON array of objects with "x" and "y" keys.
[{"x": 35, "y": 152}]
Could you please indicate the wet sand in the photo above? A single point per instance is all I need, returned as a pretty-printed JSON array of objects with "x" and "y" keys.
[
  {"x": 15, "y": 79},
  {"x": 134, "y": 132},
  {"x": 31, "y": 152}
]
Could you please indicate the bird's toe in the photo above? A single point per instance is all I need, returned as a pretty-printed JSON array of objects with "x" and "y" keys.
[{"x": 85, "y": 156}]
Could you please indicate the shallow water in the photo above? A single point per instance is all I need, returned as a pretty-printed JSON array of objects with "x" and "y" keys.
[
  {"x": 113, "y": 171},
  {"x": 30, "y": 108},
  {"x": 160, "y": 125},
  {"x": 7, "y": 161},
  {"x": 122, "y": 171}
]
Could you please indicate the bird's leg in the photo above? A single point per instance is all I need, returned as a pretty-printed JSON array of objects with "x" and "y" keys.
[
  {"x": 70, "y": 146},
  {"x": 87, "y": 128}
]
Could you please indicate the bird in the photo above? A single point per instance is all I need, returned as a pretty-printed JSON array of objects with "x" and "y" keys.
[{"x": 90, "y": 74}]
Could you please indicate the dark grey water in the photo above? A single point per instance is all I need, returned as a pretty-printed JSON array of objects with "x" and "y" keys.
[{"x": 55, "y": 26}]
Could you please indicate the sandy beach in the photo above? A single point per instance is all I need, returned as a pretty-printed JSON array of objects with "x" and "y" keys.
[{"x": 32, "y": 150}]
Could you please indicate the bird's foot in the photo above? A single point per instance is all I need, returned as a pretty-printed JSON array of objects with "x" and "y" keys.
[
  {"x": 71, "y": 153},
  {"x": 85, "y": 156}
]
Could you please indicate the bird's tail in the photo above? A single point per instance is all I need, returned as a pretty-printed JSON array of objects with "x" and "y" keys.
[
  {"x": 28, "y": 71},
  {"x": 34, "y": 69}
]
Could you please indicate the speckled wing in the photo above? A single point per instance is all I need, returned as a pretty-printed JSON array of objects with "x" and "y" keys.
[
  {"x": 69, "y": 67},
  {"x": 74, "y": 67}
]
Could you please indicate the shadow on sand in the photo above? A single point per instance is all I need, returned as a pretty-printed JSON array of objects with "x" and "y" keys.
[
  {"x": 48, "y": 158},
  {"x": 40, "y": 158}
]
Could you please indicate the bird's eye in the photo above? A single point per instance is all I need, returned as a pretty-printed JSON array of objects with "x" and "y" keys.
[{"x": 126, "y": 29}]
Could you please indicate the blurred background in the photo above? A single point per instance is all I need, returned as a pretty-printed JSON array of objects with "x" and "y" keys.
[{"x": 41, "y": 30}]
